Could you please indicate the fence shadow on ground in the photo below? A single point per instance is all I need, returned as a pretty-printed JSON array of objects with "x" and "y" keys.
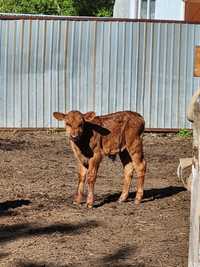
[
  {"x": 13, "y": 232},
  {"x": 42, "y": 264},
  {"x": 10, "y": 145},
  {"x": 7, "y": 206},
  {"x": 149, "y": 195},
  {"x": 119, "y": 258}
]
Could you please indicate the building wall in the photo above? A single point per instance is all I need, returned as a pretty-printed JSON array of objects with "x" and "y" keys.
[
  {"x": 163, "y": 10},
  {"x": 103, "y": 65},
  {"x": 170, "y": 9}
]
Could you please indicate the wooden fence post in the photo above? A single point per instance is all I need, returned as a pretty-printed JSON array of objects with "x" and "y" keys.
[{"x": 194, "y": 239}]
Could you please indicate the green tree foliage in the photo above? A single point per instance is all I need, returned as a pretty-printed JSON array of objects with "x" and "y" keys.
[
  {"x": 58, "y": 7},
  {"x": 47, "y": 7},
  {"x": 94, "y": 8}
]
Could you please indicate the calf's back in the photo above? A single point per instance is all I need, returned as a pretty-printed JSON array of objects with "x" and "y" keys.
[{"x": 124, "y": 127}]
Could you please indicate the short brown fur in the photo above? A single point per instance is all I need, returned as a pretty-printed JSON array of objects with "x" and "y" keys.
[{"x": 92, "y": 137}]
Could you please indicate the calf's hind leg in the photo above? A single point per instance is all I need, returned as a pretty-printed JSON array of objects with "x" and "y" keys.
[
  {"x": 128, "y": 174},
  {"x": 139, "y": 165}
]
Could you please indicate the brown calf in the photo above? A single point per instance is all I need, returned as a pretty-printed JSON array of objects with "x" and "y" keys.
[{"x": 92, "y": 137}]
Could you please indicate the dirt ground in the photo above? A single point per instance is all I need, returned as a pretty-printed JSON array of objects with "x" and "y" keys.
[{"x": 39, "y": 225}]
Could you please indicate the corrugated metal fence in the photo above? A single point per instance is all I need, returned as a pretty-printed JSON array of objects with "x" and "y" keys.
[{"x": 50, "y": 64}]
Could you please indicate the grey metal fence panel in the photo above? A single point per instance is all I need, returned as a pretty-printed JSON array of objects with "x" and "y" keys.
[{"x": 49, "y": 65}]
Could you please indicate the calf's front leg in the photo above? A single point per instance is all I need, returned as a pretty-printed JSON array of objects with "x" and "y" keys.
[
  {"x": 91, "y": 178},
  {"x": 78, "y": 199}
]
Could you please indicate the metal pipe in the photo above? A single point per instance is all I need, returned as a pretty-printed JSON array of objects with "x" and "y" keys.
[
  {"x": 133, "y": 11},
  {"x": 139, "y": 8},
  {"x": 148, "y": 9},
  {"x": 147, "y": 130},
  {"x": 104, "y": 19}
]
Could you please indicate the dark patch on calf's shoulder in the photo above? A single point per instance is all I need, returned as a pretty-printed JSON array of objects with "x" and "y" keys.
[{"x": 98, "y": 128}]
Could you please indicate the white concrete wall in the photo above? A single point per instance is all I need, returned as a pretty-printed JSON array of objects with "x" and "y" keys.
[{"x": 170, "y": 9}]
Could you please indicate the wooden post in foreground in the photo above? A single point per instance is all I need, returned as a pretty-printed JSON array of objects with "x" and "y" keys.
[{"x": 193, "y": 115}]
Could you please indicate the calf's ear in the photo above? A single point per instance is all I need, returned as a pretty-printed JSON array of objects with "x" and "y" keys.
[
  {"x": 59, "y": 116},
  {"x": 89, "y": 115}
]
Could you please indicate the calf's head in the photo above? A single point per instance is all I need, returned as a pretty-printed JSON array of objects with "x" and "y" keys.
[{"x": 74, "y": 122}]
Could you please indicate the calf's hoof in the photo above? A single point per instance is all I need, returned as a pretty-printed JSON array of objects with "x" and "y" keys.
[
  {"x": 89, "y": 205},
  {"x": 137, "y": 201},
  {"x": 90, "y": 202},
  {"x": 78, "y": 200},
  {"x": 76, "y": 203},
  {"x": 138, "y": 198},
  {"x": 122, "y": 198}
]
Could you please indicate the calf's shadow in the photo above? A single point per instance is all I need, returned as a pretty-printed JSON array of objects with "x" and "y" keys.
[{"x": 149, "y": 195}]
